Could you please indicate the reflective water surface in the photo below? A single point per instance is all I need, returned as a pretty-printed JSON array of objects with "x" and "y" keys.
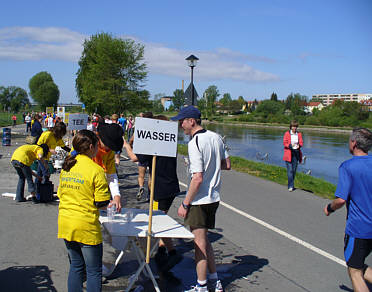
[{"x": 324, "y": 151}]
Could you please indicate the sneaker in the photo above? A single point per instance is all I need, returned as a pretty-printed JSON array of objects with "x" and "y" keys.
[
  {"x": 21, "y": 200},
  {"x": 173, "y": 259},
  {"x": 140, "y": 193},
  {"x": 215, "y": 286},
  {"x": 290, "y": 189},
  {"x": 34, "y": 200},
  {"x": 198, "y": 288}
]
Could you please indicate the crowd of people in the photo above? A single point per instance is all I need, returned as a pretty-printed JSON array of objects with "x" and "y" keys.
[{"x": 89, "y": 182}]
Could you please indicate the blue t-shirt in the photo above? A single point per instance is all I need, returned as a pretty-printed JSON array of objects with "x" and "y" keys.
[
  {"x": 122, "y": 122},
  {"x": 355, "y": 187}
]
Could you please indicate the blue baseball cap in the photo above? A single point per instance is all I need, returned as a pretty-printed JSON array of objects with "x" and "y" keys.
[{"x": 187, "y": 112}]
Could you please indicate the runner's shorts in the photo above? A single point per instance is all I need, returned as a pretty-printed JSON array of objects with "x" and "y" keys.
[
  {"x": 356, "y": 250},
  {"x": 202, "y": 216}
]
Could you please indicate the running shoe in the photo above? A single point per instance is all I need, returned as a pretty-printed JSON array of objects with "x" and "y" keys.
[
  {"x": 140, "y": 193},
  {"x": 215, "y": 286},
  {"x": 198, "y": 288}
]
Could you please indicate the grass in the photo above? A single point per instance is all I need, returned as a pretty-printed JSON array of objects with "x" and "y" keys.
[
  {"x": 278, "y": 175},
  {"x": 6, "y": 119}
]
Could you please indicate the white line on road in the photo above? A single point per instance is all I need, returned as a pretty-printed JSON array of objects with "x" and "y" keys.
[{"x": 282, "y": 233}]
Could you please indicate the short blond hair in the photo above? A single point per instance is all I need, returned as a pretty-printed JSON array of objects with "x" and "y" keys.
[{"x": 114, "y": 117}]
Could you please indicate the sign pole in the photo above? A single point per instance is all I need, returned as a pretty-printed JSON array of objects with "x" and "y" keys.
[{"x": 150, "y": 209}]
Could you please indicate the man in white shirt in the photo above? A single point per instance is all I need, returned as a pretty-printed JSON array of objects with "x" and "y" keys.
[{"x": 207, "y": 157}]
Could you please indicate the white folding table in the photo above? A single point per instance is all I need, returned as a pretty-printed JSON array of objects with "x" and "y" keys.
[{"x": 130, "y": 230}]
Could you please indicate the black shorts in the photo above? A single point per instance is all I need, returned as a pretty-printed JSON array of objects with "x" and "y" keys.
[
  {"x": 356, "y": 250},
  {"x": 164, "y": 204},
  {"x": 202, "y": 216}
]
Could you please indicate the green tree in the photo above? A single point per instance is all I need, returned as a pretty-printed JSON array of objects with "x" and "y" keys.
[
  {"x": 268, "y": 107},
  {"x": 296, "y": 103},
  {"x": 157, "y": 106},
  {"x": 111, "y": 75},
  {"x": 211, "y": 94},
  {"x": 178, "y": 99},
  {"x": 241, "y": 100},
  {"x": 43, "y": 90},
  {"x": 226, "y": 99},
  {"x": 13, "y": 97},
  {"x": 274, "y": 97}
]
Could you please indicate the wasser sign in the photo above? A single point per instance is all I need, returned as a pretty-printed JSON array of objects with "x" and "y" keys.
[
  {"x": 155, "y": 137},
  {"x": 77, "y": 121}
]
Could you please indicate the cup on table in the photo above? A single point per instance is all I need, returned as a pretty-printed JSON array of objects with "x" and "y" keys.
[{"x": 128, "y": 215}]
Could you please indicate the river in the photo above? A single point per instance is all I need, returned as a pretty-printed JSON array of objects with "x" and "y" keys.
[{"x": 324, "y": 151}]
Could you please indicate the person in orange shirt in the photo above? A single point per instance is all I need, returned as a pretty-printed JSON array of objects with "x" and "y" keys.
[{"x": 110, "y": 141}]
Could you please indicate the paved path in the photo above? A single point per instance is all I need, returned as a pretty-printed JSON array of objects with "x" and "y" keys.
[{"x": 267, "y": 238}]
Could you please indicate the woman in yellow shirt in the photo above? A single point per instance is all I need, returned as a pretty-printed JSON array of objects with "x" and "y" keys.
[
  {"x": 82, "y": 191},
  {"x": 53, "y": 138},
  {"x": 21, "y": 160}
]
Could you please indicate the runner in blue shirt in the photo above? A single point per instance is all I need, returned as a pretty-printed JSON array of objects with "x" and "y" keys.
[
  {"x": 354, "y": 188},
  {"x": 122, "y": 122}
]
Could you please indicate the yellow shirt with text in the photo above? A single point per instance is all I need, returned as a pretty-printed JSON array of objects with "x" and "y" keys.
[
  {"x": 78, "y": 189},
  {"x": 27, "y": 154},
  {"x": 48, "y": 138}
]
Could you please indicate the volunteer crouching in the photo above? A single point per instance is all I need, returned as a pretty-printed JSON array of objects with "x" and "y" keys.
[{"x": 83, "y": 190}]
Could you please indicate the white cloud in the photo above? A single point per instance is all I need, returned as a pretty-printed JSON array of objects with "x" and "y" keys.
[
  {"x": 52, "y": 43},
  {"x": 34, "y": 43}
]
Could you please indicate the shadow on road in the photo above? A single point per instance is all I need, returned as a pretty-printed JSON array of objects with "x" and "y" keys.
[{"x": 26, "y": 278}]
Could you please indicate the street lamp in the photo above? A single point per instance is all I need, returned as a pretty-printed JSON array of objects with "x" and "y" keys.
[{"x": 192, "y": 60}]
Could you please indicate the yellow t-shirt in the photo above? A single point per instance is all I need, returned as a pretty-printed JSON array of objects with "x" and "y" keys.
[
  {"x": 27, "y": 154},
  {"x": 48, "y": 138},
  {"x": 78, "y": 189}
]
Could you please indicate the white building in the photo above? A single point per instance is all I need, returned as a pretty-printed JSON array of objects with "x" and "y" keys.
[
  {"x": 313, "y": 104},
  {"x": 327, "y": 99}
]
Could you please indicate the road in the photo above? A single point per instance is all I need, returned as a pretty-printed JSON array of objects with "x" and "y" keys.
[{"x": 267, "y": 239}]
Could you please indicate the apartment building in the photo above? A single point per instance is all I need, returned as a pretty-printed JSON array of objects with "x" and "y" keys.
[{"x": 327, "y": 99}]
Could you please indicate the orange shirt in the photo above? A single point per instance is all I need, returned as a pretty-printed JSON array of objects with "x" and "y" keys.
[{"x": 106, "y": 159}]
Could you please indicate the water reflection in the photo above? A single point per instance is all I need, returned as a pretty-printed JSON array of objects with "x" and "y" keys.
[{"x": 324, "y": 151}]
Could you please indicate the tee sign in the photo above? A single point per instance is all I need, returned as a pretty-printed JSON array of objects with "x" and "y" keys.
[{"x": 77, "y": 121}]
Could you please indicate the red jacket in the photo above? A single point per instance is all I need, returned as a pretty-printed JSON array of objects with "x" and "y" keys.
[{"x": 286, "y": 142}]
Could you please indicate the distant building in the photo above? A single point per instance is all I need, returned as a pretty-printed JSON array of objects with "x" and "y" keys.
[
  {"x": 366, "y": 105},
  {"x": 328, "y": 99},
  {"x": 166, "y": 102},
  {"x": 313, "y": 104}
]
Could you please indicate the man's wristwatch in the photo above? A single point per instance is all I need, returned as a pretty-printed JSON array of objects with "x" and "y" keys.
[
  {"x": 186, "y": 207},
  {"x": 329, "y": 208}
]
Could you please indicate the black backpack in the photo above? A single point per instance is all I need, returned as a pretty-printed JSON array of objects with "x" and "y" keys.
[{"x": 46, "y": 192}]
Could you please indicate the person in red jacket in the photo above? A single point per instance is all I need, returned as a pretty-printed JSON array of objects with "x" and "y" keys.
[
  {"x": 292, "y": 142},
  {"x": 14, "y": 118}
]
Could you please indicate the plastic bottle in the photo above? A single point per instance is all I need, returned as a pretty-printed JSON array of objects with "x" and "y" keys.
[{"x": 111, "y": 212}]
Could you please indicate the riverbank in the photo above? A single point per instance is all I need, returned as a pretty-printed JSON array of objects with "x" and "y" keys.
[
  {"x": 282, "y": 126},
  {"x": 277, "y": 174}
]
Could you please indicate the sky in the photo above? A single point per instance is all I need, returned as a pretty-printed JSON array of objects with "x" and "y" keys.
[{"x": 248, "y": 48}]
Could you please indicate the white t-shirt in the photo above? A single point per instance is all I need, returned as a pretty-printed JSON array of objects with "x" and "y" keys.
[
  {"x": 206, "y": 151},
  {"x": 28, "y": 119},
  {"x": 294, "y": 140},
  {"x": 50, "y": 122}
]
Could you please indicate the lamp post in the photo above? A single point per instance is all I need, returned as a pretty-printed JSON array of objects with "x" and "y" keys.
[{"x": 192, "y": 60}]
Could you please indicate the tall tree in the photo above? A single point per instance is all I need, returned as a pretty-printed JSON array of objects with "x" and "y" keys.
[
  {"x": 274, "y": 97},
  {"x": 226, "y": 99},
  {"x": 296, "y": 103},
  {"x": 112, "y": 74},
  {"x": 43, "y": 90},
  {"x": 178, "y": 99},
  {"x": 241, "y": 101},
  {"x": 211, "y": 94},
  {"x": 14, "y": 98}
]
